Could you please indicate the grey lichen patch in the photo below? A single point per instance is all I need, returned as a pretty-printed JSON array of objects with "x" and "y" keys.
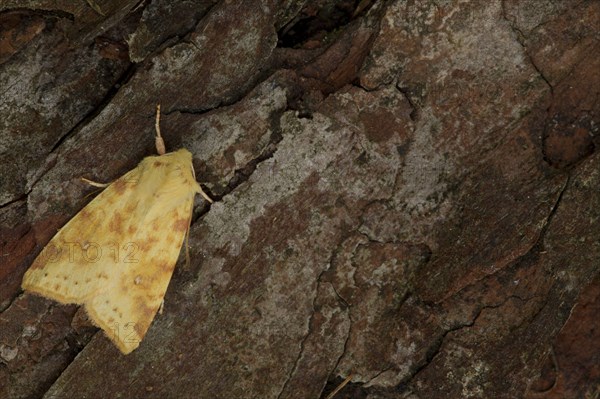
[
  {"x": 228, "y": 139},
  {"x": 318, "y": 148},
  {"x": 424, "y": 170},
  {"x": 274, "y": 180},
  {"x": 281, "y": 227}
]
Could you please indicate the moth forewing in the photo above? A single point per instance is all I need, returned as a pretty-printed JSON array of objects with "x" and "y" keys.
[{"x": 117, "y": 255}]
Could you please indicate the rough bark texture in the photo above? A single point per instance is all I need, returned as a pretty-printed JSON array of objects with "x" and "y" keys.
[{"x": 407, "y": 193}]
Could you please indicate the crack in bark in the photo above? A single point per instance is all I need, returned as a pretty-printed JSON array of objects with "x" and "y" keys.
[
  {"x": 521, "y": 37},
  {"x": 347, "y": 305},
  {"x": 435, "y": 347},
  {"x": 110, "y": 94},
  {"x": 242, "y": 175},
  {"x": 22, "y": 197},
  {"x": 340, "y": 297},
  {"x": 552, "y": 213},
  {"x": 536, "y": 247},
  {"x": 415, "y": 110},
  {"x": 54, "y": 13},
  {"x": 180, "y": 38},
  {"x": 122, "y": 80},
  {"x": 332, "y": 257},
  {"x": 345, "y": 348},
  {"x": 305, "y": 338},
  {"x": 370, "y": 380},
  {"x": 191, "y": 111}
]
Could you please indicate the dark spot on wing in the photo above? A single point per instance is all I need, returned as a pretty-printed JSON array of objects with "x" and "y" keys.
[
  {"x": 148, "y": 243},
  {"x": 181, "y": 224},
  {"x": 131, "y": 207},
  {"x": 148, "y": 314},
  {"x": 119, "y": 186},
  {"x": 166, "y": 267},
  {"x": 170, "y": 239},
  {"x": 139, "y": 330},
  {"x": 85, "y": 214},
  {"x": 116, "y": 223},
  {"x": 140, "y": 304}
]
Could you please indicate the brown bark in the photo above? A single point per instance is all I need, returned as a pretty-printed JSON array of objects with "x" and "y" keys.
[{"x": 406, "y": 192}]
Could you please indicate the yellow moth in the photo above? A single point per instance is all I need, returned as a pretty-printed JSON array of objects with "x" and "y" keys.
[{"x": 117, "y": 255}]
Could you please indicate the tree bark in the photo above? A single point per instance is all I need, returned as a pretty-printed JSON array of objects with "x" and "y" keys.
[{"x": 406, "y": 194}]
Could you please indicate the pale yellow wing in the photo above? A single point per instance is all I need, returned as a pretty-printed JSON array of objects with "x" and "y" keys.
[
  {"x": 126, "y": 309},
  {"x": 129, "y": 237},
  {"x": 78, "y": 260}
]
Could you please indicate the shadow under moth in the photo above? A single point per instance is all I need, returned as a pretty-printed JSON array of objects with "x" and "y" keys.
[{"x": 117, "y": 255}]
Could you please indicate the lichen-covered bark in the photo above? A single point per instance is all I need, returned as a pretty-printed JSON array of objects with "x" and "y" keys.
[{"x": 406, "y": 193}]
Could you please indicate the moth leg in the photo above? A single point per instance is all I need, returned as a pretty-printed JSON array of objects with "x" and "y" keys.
[
  {"x": 162, "y": 307},
  {"x": 187, "y": 238},
  {"x": 160, "y": 143},
  {"x": 187, "y": 246},
  {"x": 206, "y": 197},
  {"x": 93, "y": 183}
]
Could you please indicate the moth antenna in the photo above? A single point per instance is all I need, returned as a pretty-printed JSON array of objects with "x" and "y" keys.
[
  {"x": 93, "y": 183},
  {"x": 160, "y": 143}
]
